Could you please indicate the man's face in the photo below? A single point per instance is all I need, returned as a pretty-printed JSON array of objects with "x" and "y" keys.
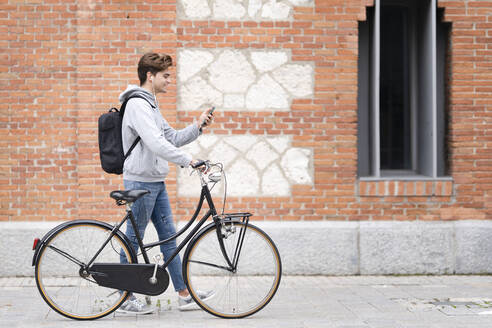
[{"x": 160, "y": 81}]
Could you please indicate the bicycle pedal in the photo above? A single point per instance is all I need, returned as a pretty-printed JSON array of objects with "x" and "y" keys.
[{"x": 158, "y": 258}]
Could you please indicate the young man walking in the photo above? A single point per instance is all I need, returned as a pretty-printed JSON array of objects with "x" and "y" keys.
[{"x": 147, "y": 166}]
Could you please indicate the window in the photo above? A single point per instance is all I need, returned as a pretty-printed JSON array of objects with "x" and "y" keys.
[{"x": 401, "y": 98}]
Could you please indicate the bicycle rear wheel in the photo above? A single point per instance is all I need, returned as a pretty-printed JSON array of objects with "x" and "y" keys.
[
  {"x": 235, "y": 294},
  {"x": 60, "y": 279}
]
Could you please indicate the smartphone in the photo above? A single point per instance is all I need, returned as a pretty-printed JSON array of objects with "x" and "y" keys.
[{"x": 213, "y": 108}]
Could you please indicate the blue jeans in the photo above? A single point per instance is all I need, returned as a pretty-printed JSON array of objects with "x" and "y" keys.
[{"x": 156, "y": 207}]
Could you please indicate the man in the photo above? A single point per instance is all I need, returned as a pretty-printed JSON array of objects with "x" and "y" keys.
[{"x": 147, "y": 166}]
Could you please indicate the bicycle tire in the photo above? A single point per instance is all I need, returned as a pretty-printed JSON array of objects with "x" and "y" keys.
[
  {"x": 59, "y": 280},
  {"x": 234, "y": 294}
]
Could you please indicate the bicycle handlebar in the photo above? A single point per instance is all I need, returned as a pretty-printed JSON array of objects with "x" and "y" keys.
[{"x": 200, "y": 163}]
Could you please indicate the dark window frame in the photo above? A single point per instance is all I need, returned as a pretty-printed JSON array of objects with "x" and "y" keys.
[{"x": 428, "y": 42}]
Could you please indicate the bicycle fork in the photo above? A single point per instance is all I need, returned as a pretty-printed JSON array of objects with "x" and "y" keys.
[{"x": 228, "y": 231}]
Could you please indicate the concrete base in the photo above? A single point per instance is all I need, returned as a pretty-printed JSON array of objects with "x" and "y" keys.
[{"x": 327, "y": 248}]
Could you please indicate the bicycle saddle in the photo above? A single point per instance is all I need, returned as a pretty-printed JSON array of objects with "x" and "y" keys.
[{"x": 128, "y": 195}]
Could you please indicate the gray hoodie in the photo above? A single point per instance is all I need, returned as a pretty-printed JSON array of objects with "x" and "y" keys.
[{"x": 159, "y": 143}]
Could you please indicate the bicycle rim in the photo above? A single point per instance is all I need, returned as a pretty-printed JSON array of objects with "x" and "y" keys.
[
  {"x": 238, "y": 294},
  {"x": 59, "y": 280}
]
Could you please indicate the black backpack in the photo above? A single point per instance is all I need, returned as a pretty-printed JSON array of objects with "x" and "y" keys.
[{"x": 110, "y": 139}]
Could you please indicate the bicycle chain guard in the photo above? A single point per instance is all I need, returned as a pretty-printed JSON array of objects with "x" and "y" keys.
[{"x": 131, "y": 277}]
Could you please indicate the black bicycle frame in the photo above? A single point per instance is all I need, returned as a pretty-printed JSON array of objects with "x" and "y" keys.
[{"x": 205, "y": 194}]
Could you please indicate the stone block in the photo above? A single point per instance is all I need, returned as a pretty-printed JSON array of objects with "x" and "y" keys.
[
  {"x": 231, "y": 72},
  {"x": 267, "y": 93},
  {"x": 191, "y": 62},
  {"x": 324, "y": 248},
  {"x": 328, "y": 248},
  {"x": 406, "y": 248},
  {"x": 268, "y": 60},
  {"x": 473, "y": 246},
  {"x": 16, "y": 240},
  {"x": 195, "y": 9},
  {"x": 228, "y": 9}
]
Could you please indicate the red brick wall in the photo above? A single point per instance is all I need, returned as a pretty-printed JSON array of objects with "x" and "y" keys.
[
  {"x": 470, "y": 107},
  {"x": 64, "y": 63},
  {"x": 38, "y": 111}
]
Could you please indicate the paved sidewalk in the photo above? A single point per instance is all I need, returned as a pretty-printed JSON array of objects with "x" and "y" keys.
[{"x": 313, "y": 301}]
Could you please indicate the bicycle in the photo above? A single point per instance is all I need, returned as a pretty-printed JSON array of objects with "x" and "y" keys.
[{"x": 79, "y": 273}]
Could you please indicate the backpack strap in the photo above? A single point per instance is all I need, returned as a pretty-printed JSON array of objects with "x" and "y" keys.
[
  {"x": 123, "y": 106},
  {"x": 122, "y": 112},
  {"x": 131, "y": 148}
]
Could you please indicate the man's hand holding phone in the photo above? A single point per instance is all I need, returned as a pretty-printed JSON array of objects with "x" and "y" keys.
[{"x": 206, "y": 118}]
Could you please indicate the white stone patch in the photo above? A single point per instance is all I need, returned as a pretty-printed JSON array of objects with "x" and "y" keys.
[
  {"x": 241, "y": 143},
  {"x": 274, "y": 183},
  {"x": 300, "y": 2},
  {"x": 297, "y": 79},
  {"x": 267, "y": 94},
  {"x": 207, "y": 140},
  {"x": 191, "y": 148},
  {"x": 197, "y": 92},
  {"x": 261, "y": 154},
  {"x": 253, "y": 7},
  {"x": 254, "y": 165},
  {"x": 188, "y": 185},
  {"x": 240, "y": 9},
  {"x": 191, "y": 62},
  {"x": 295, "y": 164},
  {"x": 268, "y": 60},
  {"x": 275, "y": 10},
  {"x": 243, "y": 179},
  {"x": 228, "y": 9},
  {"x": 222, "y": 153},
  {"x": 280, "y": 144},
  {"x": 241, "y": 79},
  {"x": 231, "y": 72},
  {"x": 233, "y": 101},
  {"x": 196, "y": 8}
]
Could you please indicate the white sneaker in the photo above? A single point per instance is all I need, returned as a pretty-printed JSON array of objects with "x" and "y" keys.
[
  {"x": 187, "y": 303},
  {"x": 134, "y": 306}
]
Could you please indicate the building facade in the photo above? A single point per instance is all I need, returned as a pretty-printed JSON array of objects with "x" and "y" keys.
[{"x": 357, "y": 131}]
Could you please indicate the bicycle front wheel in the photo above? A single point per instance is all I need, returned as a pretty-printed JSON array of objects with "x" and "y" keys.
[
  {"x": 232, "y": 293},
  {"x": 60, "y": 277}
]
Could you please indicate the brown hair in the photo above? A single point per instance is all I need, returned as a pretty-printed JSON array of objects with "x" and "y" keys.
[{"x": 152, "y": 62}]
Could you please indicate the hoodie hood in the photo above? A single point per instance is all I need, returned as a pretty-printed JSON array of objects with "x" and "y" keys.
[{"x": 135, "y": 90}]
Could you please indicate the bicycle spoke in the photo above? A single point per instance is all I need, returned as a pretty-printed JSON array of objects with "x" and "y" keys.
[
  {"x": 212, "y": 265},
  {"x": 68, "y": 256},
  {"x": 78, "y": 297},
  {"x": 237, "y": 293},
  {"x": 241, "y": 292}
]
